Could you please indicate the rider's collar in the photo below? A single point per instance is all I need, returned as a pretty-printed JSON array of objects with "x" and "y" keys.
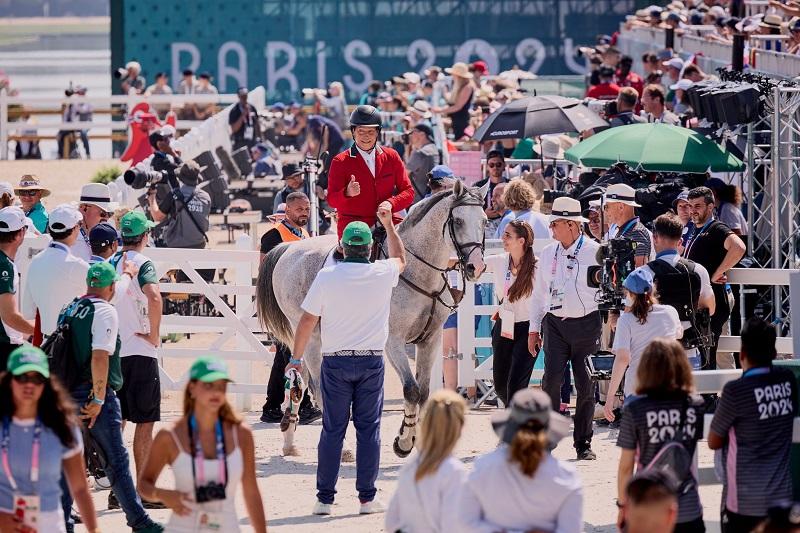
[
  {"x": 354, "y": 150},
  {"x": 355, "y": 260}
]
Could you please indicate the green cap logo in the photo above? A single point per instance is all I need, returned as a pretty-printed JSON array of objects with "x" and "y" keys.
[
  {"x": 101, "y": 275},
  {"x": 134, "y": 223},
  {"x": 208, "y": 369},
  {"x": 26, "y": 359},
  {"x": 357, "y": 234}
]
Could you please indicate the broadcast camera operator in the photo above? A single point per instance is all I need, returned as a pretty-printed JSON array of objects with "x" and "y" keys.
[
  {"x": 186, "y": 210},
  {"x": 130, "y": 78},
  {"x": 718, "y": 249},
  {"x": 626, "y": 104},
  {"x": 620, "y": 210},
  {"x": 682, "y": 284},
  {"x": 243, "y": 120}
]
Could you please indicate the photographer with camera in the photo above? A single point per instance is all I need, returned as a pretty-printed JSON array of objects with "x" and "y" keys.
[
  {"x": 421, "y": 156},
  {"x": 564, "y": 314},
  {"x": 130, "y": 79},
  {"x": 626, "y": 104},
  {"x": 620, "y": 210},
  {"x": 715, "y": 246},
  {"x": 682, "y": 284},
  {"x": 243, "y": 120},
  {"x": 186, "y": 209}
]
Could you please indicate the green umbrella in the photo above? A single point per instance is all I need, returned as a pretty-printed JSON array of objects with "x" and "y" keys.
[{"x": 654, "y": 147}]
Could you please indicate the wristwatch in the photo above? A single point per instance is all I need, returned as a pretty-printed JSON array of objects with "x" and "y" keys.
[{"x": 98, "y": 401}]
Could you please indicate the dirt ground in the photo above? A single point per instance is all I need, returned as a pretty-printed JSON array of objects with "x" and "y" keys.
[{"x": 288, "y": 484}]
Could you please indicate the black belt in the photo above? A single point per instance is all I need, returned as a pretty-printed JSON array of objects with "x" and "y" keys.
[{"x": 351, "y": 353}]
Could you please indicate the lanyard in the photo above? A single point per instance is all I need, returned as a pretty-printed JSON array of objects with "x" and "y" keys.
[
  {"x": 627, "y": 227},
  {"x": 297, "y": 232},
  {"x": 507, "y": 284},
  {"x": 59, "y": 246},
  {"x": 571, "y": 257},
  {"x": 198, "y": 460},
  {"x": 37, "y": 438},
  {"x": 696, "y": 235}
]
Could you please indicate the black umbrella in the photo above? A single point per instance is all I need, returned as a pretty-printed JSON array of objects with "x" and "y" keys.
[{"x": 538, "y": 115}]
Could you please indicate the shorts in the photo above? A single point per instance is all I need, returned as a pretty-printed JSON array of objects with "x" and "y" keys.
[
  {"x": 140, "y": 395},
  {"x": 451, "y": 322}
]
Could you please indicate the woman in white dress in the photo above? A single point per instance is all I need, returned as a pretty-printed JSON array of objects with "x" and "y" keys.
[{"x": 211, "y": 452}]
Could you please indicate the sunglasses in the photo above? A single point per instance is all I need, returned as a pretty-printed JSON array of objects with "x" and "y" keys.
[
  {"x": 32, "y": 377},
  {"x": 495, "y": 165},
  {"x": 27, "y": 193}
]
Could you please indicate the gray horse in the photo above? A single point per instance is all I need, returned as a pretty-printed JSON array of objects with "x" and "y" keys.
[{"x": 448, "y": 224}]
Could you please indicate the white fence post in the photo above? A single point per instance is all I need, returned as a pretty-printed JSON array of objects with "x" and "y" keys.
[
  {"x": 3, "y": 124},
  {"x": 244, "y": 310}
]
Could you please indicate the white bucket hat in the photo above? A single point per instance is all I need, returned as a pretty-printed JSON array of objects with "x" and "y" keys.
[
  {"x": 566, "y": 208},
  {"x": 621, "y": 193},
  {"x": 422, "y": 108},
  {"x": 98, "y": 194}
]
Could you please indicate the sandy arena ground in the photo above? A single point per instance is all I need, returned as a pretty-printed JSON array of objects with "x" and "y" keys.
[{"x": 288, "y": 485}]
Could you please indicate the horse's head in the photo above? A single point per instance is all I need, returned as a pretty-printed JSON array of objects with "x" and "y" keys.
[{"x": 466, "y": 224}]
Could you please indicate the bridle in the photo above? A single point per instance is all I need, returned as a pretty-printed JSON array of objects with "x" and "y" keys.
[{"x": 463, "y": 251}]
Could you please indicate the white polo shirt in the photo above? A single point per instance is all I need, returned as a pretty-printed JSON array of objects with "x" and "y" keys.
[
  {"x": 81, "y": 248},
  {"x": 353, "y": 302},
  {"x": 55, "y": 277},
  {"x": 132, "y": 306}
]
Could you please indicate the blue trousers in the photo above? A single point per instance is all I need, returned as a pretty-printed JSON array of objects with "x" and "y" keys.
[
  {"x": 350, "y": 383},
  {"x": 107, "y": 431}
]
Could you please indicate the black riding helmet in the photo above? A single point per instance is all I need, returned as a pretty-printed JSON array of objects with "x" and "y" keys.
[{"x": 365, "y": 115}]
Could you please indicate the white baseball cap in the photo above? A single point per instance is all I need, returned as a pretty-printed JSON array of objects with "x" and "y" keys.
[
  {"x": 6, "y": 188},
  {"x": 12, "y": 218},
  {"x": 682, "y": 84},
  {"x": 64, "y": 217},
  {"x": 675, "y": 62},
  {"x": 412, "y": 77}
]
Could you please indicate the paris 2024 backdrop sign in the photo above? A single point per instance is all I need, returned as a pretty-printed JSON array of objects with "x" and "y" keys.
[{"x": 288, "y": 45}]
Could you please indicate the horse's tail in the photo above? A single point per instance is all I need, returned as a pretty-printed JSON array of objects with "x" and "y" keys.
[{"x": 272, "y": 318}]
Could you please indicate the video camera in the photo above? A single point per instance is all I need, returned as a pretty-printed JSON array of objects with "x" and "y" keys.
[
  {"x": 605, "y": 108},
  {"x": 616, "y": 258},
  {"x": 120, "y": 73}
]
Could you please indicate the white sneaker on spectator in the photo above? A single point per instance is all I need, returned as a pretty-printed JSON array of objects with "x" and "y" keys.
[
  {"x": 322, "y": 508},
  {"x": 372, "y": 507}
]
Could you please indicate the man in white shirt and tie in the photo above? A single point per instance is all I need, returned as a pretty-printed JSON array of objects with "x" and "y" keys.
[{"x": 564, "y": 315}]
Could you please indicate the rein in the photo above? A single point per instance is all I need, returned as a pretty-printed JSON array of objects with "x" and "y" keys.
[{"x": 461, "y": 266}]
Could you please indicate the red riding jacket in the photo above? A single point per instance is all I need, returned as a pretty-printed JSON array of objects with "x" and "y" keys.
[{"x": 389, "y": 183}]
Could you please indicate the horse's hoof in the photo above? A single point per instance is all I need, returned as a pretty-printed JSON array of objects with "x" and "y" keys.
[
  {"x": 348, "y": 456},
  {"x": 291, "y": 451},
  {"x": 400, "y": 452}
]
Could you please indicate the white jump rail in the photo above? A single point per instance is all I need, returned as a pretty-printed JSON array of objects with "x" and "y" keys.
[{"x": 240, "y": 324}]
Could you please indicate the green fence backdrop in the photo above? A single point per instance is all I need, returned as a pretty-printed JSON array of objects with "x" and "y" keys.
[{"x": 288, "y": 45}]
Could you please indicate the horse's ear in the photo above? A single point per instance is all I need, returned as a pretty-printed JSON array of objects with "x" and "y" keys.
[
  {"x": 458, "y": 188},
  {"x": 484, "y": 190}
]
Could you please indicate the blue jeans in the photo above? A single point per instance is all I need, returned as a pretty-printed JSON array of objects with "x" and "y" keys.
[
  {"x": 107, "y": 431},
  {"x": 350, "y": 382}
]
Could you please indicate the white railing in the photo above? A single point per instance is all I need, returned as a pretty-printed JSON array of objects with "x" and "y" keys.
[
  {"x": 237, "y": 323},
  {"x": 33, "y": 104}
]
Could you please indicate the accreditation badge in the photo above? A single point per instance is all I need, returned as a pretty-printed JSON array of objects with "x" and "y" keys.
[
  {"x": 26, "y": 511},
  {"x": 506, "y": 323},
  {"x": 248, "y": 133},
  {"x": 209, "y": 522}
]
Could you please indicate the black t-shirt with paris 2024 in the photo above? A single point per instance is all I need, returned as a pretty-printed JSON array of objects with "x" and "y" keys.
[{"x": 650, "y": 421}]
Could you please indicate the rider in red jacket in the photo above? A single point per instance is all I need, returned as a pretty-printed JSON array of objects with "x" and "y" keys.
[{"x": 367, "y": 176}]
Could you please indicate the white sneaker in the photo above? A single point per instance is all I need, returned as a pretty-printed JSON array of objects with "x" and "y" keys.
[
  {"x": 372, "y": 507},
  {"x": 322, "y": 508}
]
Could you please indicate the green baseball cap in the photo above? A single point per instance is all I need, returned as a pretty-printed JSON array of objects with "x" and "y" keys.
[
  {"x": 357, "y": 234},
  {"x": 26, "y": 359},
  {"x": 134, "y": 223},
  {"x": 101, "y": 275},
  {"x": 208, "y": 369}
]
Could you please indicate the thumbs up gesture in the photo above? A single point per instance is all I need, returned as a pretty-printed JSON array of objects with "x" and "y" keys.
[{"x": 353, "y": 188}]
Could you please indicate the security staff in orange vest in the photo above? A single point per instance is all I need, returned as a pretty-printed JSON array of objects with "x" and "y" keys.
[
  {"x": 367, "y": 177},
  {"x": 291, "y": 228}
]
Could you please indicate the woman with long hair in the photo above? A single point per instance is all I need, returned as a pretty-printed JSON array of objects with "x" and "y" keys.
[
  {"x": 424, "y": 498},
  {"x": 643, "y": 320},
  {"x": 460, "y": 99},
  {"x": 664, "y": 411},
  {"x": 728, "y": 201},
  {"x": 41, "y": 440},
  {"x": 513, "y": 272},
  {"x": 211, "y": 452},
  {"x": 520, "y": 486}
]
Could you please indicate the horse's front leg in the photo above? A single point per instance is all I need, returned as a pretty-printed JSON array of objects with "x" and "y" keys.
[
  {"x": 396, "y": 353},
  {"x": 427, "y": 352}
]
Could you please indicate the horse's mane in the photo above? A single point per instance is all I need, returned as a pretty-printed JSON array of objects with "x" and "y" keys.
[{"x": 418, "y": 212}]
